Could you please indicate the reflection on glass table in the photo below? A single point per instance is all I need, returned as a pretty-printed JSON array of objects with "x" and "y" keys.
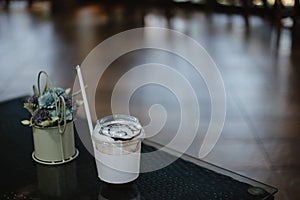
[{"x": 185, "y": 178}]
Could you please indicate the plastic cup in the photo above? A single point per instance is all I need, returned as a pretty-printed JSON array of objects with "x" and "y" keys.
[{"x": 117, "y": 140}]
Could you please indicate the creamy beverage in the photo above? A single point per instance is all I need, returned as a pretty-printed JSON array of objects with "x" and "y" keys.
[{"x": 117, "y": 140}]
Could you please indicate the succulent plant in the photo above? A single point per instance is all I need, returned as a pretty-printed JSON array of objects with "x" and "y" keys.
[{"x": 46, "y": 108}]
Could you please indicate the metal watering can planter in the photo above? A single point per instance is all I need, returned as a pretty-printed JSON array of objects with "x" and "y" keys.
[
  {"x": 52, "y": 147},
  {"x": 53, "y": 136}
]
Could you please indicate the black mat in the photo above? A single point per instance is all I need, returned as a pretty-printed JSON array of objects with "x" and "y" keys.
[{"x": 22, "y": 178}]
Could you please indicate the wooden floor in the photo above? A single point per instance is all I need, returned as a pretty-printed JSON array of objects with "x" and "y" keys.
[{"x": 261, "y": 136}]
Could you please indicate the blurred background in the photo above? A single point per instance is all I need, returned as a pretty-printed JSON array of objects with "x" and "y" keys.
[{"x": 254, "y": 43}]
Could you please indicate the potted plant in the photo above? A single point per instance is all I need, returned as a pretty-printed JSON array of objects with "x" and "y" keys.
[{"x": 52, "y": 114}]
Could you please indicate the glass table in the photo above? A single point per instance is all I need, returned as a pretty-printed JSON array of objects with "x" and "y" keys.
[
  {"x": 216, "y": 182},
  {"x": 185, "y": 178}
]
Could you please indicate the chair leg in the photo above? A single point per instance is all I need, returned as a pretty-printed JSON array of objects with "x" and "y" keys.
[
  {"x": 210, "y": 6},
  {"x": 278, "y": 8},
  {"x": 296, "y": 26},
  {"x": 6, "y": 5},
  {"x": 29, "y": 3},
  {"x": 278, "y": 33},
  {"x": 246, "y": 6}
]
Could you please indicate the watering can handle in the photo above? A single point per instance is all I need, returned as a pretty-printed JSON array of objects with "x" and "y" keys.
[
  {"x": 60, "y": 104},
  {"x": 48, "y": 82}
]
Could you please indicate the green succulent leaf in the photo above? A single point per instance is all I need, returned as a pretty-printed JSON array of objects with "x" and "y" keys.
[
  {"x": 78, "y": 92},
  {"x": 45, "y": 123},
  {"x": 30, "y": 107},
  {"x": 50, "y": 122},
  {"x": 68, "y": 91},
  {"x": 25, "y": 122},
  {"x": 79, "y": 103},
  {"x": 35, "y": 91},
  {"x": 54, "y": 119}
]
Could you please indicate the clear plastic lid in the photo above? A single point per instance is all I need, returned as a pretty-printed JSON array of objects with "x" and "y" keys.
[{"x": 117, "y": 128}]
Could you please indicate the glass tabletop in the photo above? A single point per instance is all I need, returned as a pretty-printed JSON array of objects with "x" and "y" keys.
[
  {"x": 255, "y": 188},
  {"x": 184, "y": 177}
]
